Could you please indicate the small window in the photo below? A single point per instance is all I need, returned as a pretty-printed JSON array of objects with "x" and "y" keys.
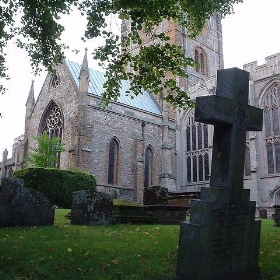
[
  {"x": 113, "y": 162},
  {"x": 200, "y": 60},
  {"x": 55, "y": 81},
  {"x": 148, "y": 168}
]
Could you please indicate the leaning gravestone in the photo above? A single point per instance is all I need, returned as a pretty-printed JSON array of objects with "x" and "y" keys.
[
  {"x": 221, "y": 240},
  {"x": 20, "y": 206}
]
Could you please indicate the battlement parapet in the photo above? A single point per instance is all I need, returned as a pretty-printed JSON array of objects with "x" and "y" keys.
[{"x": 269, "y": 68}]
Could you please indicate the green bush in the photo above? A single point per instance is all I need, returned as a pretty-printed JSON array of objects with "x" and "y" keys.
[{"x": 57, "y": 185}]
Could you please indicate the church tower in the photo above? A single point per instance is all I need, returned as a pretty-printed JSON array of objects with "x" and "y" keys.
[{"x": 207, "y": 52}]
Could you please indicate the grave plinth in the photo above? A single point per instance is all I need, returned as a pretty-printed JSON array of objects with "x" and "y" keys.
[{"x": 221, "y": 240}]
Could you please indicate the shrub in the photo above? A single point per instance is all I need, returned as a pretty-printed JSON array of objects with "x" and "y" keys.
[
  {"x": 46, "y": 155},
  {"x": 57, "y": 185}
]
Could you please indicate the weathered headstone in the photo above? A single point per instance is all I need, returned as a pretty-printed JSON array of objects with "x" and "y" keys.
[
  {"x": 20, "y": 206},
  {"x": 276, "y": 216},
  {"x": 155, "y": 195},
  {"x": 263, "y": 213},
  {"x": 221, "y": 240},
  {"x": 91, "y": 208}
]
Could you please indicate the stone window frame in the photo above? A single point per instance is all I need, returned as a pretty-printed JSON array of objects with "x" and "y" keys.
[
  {"x": 201, "y": 62},
  {"x": 270, "y": 103},
  {"x": 52, "y": 123},
  {"x": 197, "y": 151},
  {"x": 55, "y": 81},
  {"x": 148, "y": 167},
  {"x": 275, "y": 195},
  {"x": 113, "y": 162}
]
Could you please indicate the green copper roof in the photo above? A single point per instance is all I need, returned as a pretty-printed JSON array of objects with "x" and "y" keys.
[{"x": 97, "y": 79}]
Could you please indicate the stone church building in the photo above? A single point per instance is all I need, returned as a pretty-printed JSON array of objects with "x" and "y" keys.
[{"x": 137, "y": 142}]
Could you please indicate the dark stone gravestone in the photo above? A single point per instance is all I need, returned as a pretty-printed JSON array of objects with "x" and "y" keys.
[
  {"x": 263, "y": 213},
  {"x": 221, "y": 240},
  {"x": 20, "y": 206},
  {"x": 155, "y": 195},
  {"x": 91, "y": 208},
  {"x": 276, "y": 216}
]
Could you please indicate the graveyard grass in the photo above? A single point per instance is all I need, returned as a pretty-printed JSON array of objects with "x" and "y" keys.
[{"x": 65, "y": 251}]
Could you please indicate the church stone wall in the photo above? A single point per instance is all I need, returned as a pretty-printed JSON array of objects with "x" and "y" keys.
[
  {"x": 262, "y": 184},
  {"x": 107, "y": 125},
  {"x": 210, "y": 40},
  {"x": 65, "y": 97}
]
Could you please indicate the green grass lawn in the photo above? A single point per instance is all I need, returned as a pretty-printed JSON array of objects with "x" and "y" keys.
[{"x": 64, "y": 251}]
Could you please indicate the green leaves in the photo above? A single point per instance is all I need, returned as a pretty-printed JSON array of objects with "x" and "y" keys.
[
  {"x": 39, "y": 33},
  {"x": 46, "y": 155}
]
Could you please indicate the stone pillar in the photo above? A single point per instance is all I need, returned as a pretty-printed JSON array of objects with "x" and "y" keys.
[
  {"x": 166, "y": 178},
  {"x": 5, "y": 156}
]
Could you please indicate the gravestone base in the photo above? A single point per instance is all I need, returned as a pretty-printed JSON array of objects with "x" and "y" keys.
[
  {"x": 221, "y": 240},
  {"x": 250, "y": 275}
]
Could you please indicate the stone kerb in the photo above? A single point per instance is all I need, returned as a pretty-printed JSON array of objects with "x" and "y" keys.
[
  {"x": 20, "y": 206},
  {"x": 221, "y": 240}
]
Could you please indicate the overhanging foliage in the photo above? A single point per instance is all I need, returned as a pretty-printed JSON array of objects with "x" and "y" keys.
[{"x": 39, "y": 32}]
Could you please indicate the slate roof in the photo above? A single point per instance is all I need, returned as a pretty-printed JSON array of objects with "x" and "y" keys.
[{"x": 97, "y": 79}]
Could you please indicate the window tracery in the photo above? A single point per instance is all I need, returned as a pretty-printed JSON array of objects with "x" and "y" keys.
[
  {"x": 52, "y": 121},
  {"x": 197, "y": 151},
  {"x": 271, "y": 128}
]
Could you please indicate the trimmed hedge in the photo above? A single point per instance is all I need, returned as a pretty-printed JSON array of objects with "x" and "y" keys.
[{"x": 57, "y": 185}]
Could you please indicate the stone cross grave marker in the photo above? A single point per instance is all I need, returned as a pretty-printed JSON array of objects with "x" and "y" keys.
[{"x": 221, "y": 240}]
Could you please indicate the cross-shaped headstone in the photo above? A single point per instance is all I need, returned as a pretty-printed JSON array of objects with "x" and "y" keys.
[{"x": 231, "y": 116}]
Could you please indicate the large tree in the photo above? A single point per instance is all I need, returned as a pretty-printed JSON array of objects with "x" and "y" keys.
[{"x": 35, "y": 26}]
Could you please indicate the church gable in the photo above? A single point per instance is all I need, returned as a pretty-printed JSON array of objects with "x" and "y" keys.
[{"x": 55, "y": 110}]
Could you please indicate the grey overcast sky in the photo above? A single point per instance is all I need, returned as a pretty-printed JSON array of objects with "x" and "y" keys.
[{"x": 250, "y": 34}]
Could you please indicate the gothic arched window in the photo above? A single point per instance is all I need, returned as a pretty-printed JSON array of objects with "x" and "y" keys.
[
  {"x": 200, "y": 60},
  {"x": 113, "y": 162},
  {"x": 197, "y": 152},
  {"x": 148, "y": 167},
  {"x": 271, "y": 102},
  {"x": 52, "y": 121}
]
